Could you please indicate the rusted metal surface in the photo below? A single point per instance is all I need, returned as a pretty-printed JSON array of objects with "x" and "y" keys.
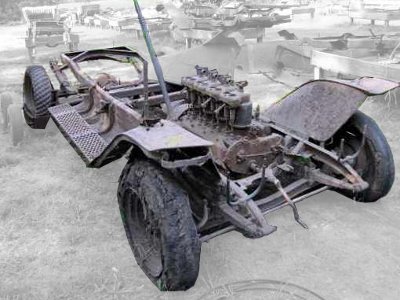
[
  {"x": 319, "y": 108},
  {"x": 184, "y": 163},
  {"x": 235, "y": 164},
  {"x": 371, "y": 86},
  {"x": 242, "y": 150},
  {"x": 165, "y": 135},
  {"x": 115, "y": 122},
  {"x": 250, "y": 166},
  {"x": 219, "y": 97},
  {"x": 246, "y": 152},
  {"x": 79, "y": 133}
]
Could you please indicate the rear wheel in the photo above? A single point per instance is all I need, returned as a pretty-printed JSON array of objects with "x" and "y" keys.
[
  {"x": 158, "y": 221},
  {"x": 16, "y": 124},
  {"x": 375, "y": 163},
  {"x": 38, "y": 97}
]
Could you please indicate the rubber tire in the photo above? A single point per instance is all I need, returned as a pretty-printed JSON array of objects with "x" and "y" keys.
[
  {"x": 377, "y": 165},
  {"x": 16, "y": 124},
  {"x": 38, "y": 97},
  {"x": 6, "y": 100},
  {"x": 180, "y": 245}
]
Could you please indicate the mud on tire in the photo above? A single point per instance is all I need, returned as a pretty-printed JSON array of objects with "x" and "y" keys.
[
  {"x": 38, "y": 97},
  {"x": 159, "y": 225}
]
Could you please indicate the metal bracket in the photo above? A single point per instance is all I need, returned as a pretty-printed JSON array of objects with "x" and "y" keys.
[
  {"x": 351, "y": 158},
  {"x": 272, "y": 178},
  {"x": 320, "y": 177},
  {"x": 248, "y": 226}
]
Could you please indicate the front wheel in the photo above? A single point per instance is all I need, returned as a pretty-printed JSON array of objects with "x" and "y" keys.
[
  {"x": 158, "y": 222},
  {"x": 375, "y": 163}
]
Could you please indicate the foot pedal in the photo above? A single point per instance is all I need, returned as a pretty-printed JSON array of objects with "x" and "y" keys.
[{"x": 82, "y": 137}]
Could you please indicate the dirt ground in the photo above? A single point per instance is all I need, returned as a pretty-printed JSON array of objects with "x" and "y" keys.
[{"x": 61, "y": 236}]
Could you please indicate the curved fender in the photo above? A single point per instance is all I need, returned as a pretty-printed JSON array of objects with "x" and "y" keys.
[
  {"x": 165, "y": 135},
  {"x": 319, "y": 108}
]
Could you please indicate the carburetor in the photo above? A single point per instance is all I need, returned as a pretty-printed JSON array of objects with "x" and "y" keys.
[{"x": 219, "y": 98}]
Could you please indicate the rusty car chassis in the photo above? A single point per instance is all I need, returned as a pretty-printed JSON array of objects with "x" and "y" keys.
[{"x": 236, "y": 163}]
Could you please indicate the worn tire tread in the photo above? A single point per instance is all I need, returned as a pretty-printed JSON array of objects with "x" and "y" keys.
[
  {"x": 181, "y": 245},
  {"x": 42, "y": 94}
]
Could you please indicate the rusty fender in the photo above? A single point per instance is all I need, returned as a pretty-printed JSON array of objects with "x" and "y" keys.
[
  {"x": 156, "y": 142},
  {"x": 318, "y": 109}
]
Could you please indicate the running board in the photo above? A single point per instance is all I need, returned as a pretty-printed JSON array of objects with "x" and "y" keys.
[{"x": 82, "y": 137}]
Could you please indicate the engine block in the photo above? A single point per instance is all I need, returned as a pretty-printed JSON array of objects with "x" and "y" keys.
[{"x": 219, "y": 98}]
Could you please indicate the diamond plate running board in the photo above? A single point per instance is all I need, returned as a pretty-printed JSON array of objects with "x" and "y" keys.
[{"x": 82, "y": 137}]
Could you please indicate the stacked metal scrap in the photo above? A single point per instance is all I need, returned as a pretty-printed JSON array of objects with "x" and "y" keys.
[{"x": 127, "y": 19}]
